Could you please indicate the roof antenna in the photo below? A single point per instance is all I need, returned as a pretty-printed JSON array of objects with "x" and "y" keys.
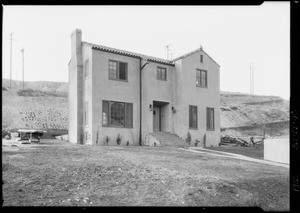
[{"x": 168, "y": 49}]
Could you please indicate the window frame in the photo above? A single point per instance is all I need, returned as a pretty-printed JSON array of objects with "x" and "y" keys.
[
  {"x": 201, "y": 58},
  {"x": 193, "y": 107},
  {"x": 118, "y": 71},
  {"x": 109, "y": 124},
  {"x": 200, "y": 78},
  {"x": 208, "y": 119},
  {"x": 157, "y": 73}
]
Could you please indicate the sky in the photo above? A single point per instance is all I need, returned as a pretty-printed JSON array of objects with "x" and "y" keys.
[{"x": 234, "y": 36}]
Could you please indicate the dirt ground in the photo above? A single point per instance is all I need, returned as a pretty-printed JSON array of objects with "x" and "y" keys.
[
  {"x": 247, "y": 151},
  {"x": 57, "y": 173}
]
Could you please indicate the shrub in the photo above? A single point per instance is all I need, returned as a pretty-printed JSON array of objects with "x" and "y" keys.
[
  {"x": 188, "y": 138},
  {"x": 197, "y": 142},
  {"x": 204, "y": 140},
  {"x": 97, "y": 136},
  {"x": 118, "y": 140},
  {"x": 107, "y": 140}
]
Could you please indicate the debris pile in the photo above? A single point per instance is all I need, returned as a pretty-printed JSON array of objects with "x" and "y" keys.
[{"x": 237, "y": 141}]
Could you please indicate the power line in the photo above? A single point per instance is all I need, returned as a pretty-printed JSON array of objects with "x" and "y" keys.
[{"x": 251, "y": 79}]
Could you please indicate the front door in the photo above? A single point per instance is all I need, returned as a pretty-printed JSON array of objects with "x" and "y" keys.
[{"x": 156, "y": 119}]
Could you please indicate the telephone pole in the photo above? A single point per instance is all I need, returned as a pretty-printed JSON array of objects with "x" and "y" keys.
[
  {"x": 251, "y": 79},
  {"x": 168, "y": 49},
  {"x": 22, "y": 50},
  {"x": 10, "y": 59},
  {"x": 11, "y": 40}
]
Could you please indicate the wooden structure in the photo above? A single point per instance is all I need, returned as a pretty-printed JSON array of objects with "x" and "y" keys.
[{"x": 32, "y": 135}]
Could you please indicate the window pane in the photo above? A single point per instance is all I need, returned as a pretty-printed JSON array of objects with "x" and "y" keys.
[
  {"x": 112, "y": 70},
  {"x": 190, "y": 117},
  {"x": 113, "y": 65},
  {"x": 198, "y": 78},
  {"x": 210, "y": 118},
  {"x": 122, "y": 71},
  {"x": 128, "y": 114},
  {"x": 158, "y": 73},
  {"x": 203, "y": 80},
  {"x": 195, "y": 117},
  {"x": 112, "y": 74},
  {"x": 105, "y": 115},
  {"x": 117, "y": 111},
  {"x": 164, "y": 74}
]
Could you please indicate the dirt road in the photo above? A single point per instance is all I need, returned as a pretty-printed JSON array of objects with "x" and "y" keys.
[{"x": 57, "y": 173}]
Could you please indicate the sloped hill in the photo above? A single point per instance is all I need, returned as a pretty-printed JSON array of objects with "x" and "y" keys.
[
  {"x": 45, "y": 105},
  {"x": 59, "y": 87},
  {"x": 244, "y": 115},
  {"x": 245, "y": 110},
  {"x": 34, "y": 109}
]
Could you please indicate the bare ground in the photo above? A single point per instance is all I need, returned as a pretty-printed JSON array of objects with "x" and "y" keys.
[{"x": 57, "y": 173}]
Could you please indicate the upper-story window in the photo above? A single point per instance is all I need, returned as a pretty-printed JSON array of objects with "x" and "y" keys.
[
  {"x": 86, "y": 69},
  {"x": 201, "y": 58},
  {"x": 161, "y": 73},
  {"x": 201, "y": 78},
  {"x": 117, "y": 70}
]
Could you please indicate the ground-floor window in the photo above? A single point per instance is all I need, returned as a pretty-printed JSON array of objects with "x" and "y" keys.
[
  {"x": 117, "y": 114},
  {"x": 193, "y": 123},
  {"x": 210, "y": 119}
]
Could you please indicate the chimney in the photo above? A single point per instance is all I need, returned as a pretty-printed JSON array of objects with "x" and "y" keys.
[{"x": 76, "y": 49}]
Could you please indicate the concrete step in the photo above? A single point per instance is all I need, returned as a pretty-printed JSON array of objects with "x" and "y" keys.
[{"x": 168, "y": 139}]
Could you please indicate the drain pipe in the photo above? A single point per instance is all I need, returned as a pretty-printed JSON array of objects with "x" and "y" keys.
[{"x": 141, "y": 68}]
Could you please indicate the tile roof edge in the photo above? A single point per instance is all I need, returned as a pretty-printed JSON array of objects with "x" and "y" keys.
[
  {"x": 146, "y": 57},
  {"x": 193, "y": 52}
]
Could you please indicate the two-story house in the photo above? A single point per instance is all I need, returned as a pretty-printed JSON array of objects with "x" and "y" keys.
[{"x": 113, "y": 92}]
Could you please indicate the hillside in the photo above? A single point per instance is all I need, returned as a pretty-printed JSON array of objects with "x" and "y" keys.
[{"x": 45, "y": 105}]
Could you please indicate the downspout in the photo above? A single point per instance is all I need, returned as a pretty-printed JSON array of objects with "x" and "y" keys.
[
  {"x": 141, "y": 68},
  {"x": 140, "y": 138}
]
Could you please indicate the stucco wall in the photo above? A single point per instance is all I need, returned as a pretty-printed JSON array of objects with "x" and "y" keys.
[
  {"x": 113, "y": 90},
  {"x": 75, "y": 88},
  {"x": 188, "y": 94},
  {"x": 277, "y": 150},
  {"x": 87, "y": 94},
  {"x": 156, "y": 90}
]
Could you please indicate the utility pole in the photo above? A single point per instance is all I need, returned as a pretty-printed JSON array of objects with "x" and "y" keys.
[
  {"x": 22, "y": 50},
  {"x": 11, "y": 39},
  {"x": 251, "y": 79},
  {"x": 168, "y": 49},
  {"x": 10, "y": 58}
]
